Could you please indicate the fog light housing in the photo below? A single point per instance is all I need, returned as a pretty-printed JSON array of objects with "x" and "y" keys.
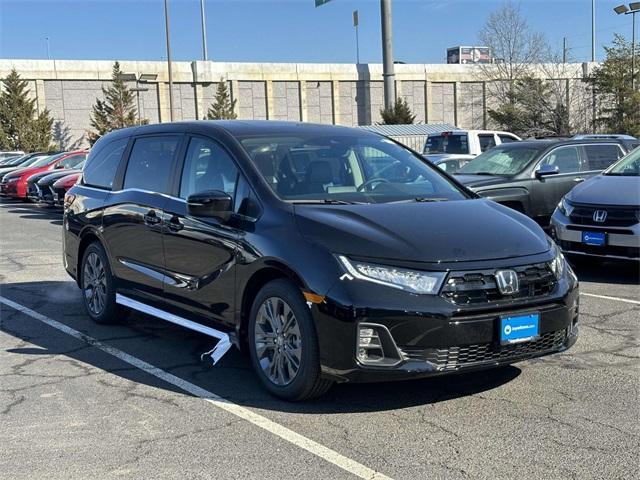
[{"x": 376, "y": 347}]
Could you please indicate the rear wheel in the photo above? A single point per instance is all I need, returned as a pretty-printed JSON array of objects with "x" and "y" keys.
[
  {"x": 98, "y": 287},
  {"x": 283, "y": 343}
]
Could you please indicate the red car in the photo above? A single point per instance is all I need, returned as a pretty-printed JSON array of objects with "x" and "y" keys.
[
  {"x": 14, "y": 184},
  {"x": 62, "y": 185}
]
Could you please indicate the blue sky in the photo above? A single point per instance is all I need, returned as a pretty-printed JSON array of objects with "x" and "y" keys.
[{"x": 281, "y": 30}]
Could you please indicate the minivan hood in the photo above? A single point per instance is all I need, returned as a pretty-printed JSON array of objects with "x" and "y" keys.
[
  {"x": 451, "y": 231},
  {"x": 607, "y": 190},
  {"x": 474, "y": 181}
]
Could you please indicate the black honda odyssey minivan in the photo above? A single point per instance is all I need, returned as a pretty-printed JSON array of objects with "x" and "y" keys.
[{"x": 330, "y": 254}]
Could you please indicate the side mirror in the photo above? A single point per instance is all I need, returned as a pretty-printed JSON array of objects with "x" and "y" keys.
[
  {"x": 546, "y": 170},
  {"x": 210, "y": 203},
  {"x": 59, "y": 167}
]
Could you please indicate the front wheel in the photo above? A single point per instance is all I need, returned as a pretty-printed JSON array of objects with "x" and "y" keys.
[{"x": 283, "y": 343}]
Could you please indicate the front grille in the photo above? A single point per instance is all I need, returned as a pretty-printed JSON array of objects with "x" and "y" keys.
[
  {"x": 604, "y": 250},
  {"x": 616, "y": 216},
  {"x": 453, "y": 358},
  {"x": 479, "y": 286}
]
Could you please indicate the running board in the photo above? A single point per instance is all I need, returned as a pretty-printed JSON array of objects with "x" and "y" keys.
[{"x": 223, "y": 345}]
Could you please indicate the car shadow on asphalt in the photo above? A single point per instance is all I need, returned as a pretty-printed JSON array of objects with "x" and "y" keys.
[
  {"x": 177, "y": 351},
  {"x": 32, "y": 211},
  {"x": 613, "y": 272}
]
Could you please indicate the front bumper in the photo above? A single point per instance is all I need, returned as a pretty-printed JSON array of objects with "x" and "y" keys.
[
  {"x": 622, "y": 243},
  {"x": 433, "y": 336}
]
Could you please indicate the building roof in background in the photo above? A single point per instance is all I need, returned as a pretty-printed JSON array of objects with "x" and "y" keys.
[{"x": 414, "y": 129}]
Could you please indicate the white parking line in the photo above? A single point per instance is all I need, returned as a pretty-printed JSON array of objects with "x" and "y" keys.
[
  {"x": 286, "y": 434},
  {"x": 606, "y": 297}
]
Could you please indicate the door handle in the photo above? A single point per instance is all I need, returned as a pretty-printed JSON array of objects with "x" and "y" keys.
[
  {"x": 578, "y": 179},
  {"x": 174, "y": 224},
  {"x": 151, "y": 218}
]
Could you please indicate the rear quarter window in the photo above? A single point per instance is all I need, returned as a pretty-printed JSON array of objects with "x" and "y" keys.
[
  {"x": 599, "y": 157},
  {"x": 102, "y": 164}
]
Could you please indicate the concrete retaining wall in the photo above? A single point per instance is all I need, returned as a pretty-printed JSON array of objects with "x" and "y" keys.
[{"x": 325, "y": 93}]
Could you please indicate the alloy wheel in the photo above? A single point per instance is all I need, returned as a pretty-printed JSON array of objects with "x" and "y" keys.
[
  {"x": 278, "y": 341},
  {"x": 94, "y": 283}
]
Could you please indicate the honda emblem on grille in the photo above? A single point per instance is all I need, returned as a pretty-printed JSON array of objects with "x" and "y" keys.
[
  {"x": 507, "y": 281},
  {"x": 599, "y": 216}
]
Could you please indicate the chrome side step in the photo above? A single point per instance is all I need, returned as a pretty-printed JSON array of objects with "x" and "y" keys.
[{"x": 223, "y": 345}]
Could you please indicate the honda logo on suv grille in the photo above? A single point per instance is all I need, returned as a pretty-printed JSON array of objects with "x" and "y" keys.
[
  {"x": 599, "y": 216},
  {"x": 507, "y": 281}
]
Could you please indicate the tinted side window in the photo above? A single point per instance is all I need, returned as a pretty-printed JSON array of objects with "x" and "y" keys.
[
  {"x": 487, "y": 140},
  {"x": 102, "y": 164},
  {"x": 600, "y": 157},
  {"x": 566, "y": 159},
  {"x": 150, "y": 163},
  {"x": 207, "y": 166},
  {"x": 507, "y": 139}
]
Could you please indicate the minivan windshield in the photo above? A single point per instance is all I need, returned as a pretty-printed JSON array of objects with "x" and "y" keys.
[
  {"x": 628, "y": 166},
  {"x": 505, "y": 161},
  {"x": 447, "y": 143},
  {"x": 346, "y": 169}
]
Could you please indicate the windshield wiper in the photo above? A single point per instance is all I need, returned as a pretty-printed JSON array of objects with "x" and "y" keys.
[
  {"x": 482, "y": 173},
  {"x": 325, "y": 201}
]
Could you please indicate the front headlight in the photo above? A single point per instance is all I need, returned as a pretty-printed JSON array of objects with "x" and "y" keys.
[
  {"x": 414, "y": 281},
  {"x": 565, "y": 207},
  {"x": 558, "y": 264}
]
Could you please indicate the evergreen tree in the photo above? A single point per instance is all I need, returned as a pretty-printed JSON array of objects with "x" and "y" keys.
[
  {"x": 117, "y": 110},
  {"x": 21, "y": 126},
  {"x": 399, "y": 114},
  {"x": 222, "y": 107},
  {"x": 619, "y": 103}
]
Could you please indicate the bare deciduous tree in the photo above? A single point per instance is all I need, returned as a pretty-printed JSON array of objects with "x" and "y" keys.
[{"x": 514, "y": 46}]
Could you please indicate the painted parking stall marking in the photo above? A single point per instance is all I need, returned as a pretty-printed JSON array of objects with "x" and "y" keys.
[
  {"x": 607, "y": 297},
  {"x": 258, "y": 420}
]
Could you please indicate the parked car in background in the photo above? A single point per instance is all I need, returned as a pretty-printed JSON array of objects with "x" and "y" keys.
[
  {"x": 601, "y": 217},
  {"x": 44, "y": 187},
  {"x": 629, "y": 141},
  {"x": 34, "y": 186},
  {"x": 23, "y": 161},
  {"x": 14, "y": 184},
  {"x": 329, "y": 253},
  {"x": 465, "y": 144},
  {"x": 10, "y": 154},
  {"x": 532, "y": 176},
  {"x": 61, "y": 186}
]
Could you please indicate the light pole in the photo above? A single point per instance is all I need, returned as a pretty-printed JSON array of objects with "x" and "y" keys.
[
  {"x": 48, "y": 49},
  {"x": 387, "y": 54},
  {"x": 166, "y": 26},
  {"x": 593, "y": 30},
  {"x": 144, "y": 78},
  {"x": 634, "y": 7},
  {"x": 204, "y": 32}
]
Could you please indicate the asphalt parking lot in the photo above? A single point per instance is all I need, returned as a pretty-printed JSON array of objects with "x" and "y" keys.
[{"x": 80, "y": 400}]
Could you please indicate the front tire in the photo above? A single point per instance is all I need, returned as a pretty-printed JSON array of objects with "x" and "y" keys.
[
  {"x": 98, "y": 286},
  {"x": 283, "y": 343}
]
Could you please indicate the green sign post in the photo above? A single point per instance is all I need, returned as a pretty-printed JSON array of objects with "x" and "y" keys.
[{"x": 319, "y": 3}]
